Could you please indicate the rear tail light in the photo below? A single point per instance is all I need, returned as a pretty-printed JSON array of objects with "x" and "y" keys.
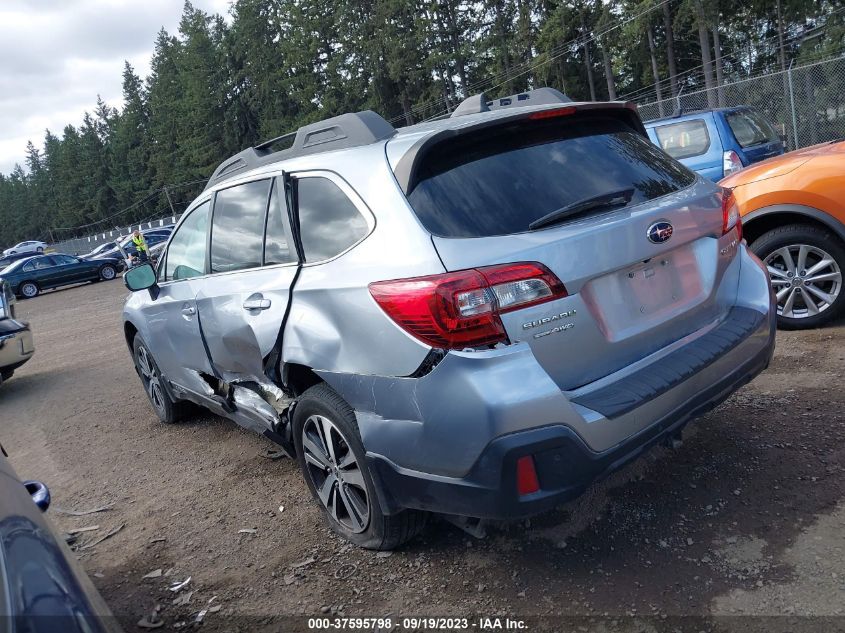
[
  {"x": 526, "y": 476},
  {"x": 731, "y": 162},
  {"x": 461, "y": 309},
  {"x": 551, "y": 114},
  {"x": 730, "y": 214}
]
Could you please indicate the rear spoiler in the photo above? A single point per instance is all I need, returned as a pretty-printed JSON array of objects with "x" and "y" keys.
[{"x": 407, "y": 167}]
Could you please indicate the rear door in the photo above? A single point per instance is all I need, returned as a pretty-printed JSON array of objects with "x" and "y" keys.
[
  {"x": 242, "y": 304},
  {"x": 629, "y": 294},
  {"x": 174, "y": 329},
  {"x": 71, "y": 269}
]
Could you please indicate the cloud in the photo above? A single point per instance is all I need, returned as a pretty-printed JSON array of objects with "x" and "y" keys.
[{"x": 56, "y": 56}]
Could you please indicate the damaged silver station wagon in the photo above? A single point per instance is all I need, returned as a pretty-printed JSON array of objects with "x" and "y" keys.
[{"x": 476, "y": 316}]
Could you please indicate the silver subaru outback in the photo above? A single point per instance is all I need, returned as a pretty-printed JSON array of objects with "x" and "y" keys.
[{"x": 476, "y": 316}]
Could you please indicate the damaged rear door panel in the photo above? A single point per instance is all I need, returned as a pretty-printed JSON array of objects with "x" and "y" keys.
[{"x": 242, "y": 304}]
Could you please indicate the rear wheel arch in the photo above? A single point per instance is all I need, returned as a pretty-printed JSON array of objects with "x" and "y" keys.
[
  {"x": 761, "y": 221},
  {"x": 297, "y": 378}
]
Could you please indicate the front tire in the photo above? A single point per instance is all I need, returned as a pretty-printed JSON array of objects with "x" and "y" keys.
[
  {"x": 333, "y": 462},
  {"x": 805, "y": 264},
  {"x": 40, "y": 249},
  {"x": 167, "y": 410},
  {"x": 29, "y": 289},
  {"x": 108, "y": 272}
]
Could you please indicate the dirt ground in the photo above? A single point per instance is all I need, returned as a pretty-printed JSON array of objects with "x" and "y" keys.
[{"x": 746, "y": 518}]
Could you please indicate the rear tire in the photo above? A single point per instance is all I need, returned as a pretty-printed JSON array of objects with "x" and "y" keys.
[
  {"x": 806, "y": 265},
  {"x": 29, "y": 289},
  {"x": 167, "y": 410},
  {"x": 338, "y": 476},
  {"x": 108, "y": 272},
  {"x": 40, "y": 249}
]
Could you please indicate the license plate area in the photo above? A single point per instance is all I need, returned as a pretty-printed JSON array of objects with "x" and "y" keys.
[{"x": 646, "y": 294}]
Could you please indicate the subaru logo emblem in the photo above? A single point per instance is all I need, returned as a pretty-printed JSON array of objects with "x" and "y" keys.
[{"x": 659, "y": 232}]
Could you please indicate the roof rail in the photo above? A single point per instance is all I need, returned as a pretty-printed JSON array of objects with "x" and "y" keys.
[
  {"x": 538, "y": 96},
  {"x": 347, "y": 130}
]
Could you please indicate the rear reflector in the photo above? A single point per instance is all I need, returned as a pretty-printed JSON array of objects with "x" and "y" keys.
[
  {"x": 461, "y": 309},
  {"x": 730, "y": 214},
  {"x": 526, "y": 476}
]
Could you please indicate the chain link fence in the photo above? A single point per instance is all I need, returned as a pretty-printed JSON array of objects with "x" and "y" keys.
[
  {"x": 83, "y": 245},
  {"x": 805, "y": 103}
]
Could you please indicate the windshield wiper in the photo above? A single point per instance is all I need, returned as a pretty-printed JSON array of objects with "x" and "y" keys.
[{"x": 606, "y": 200}]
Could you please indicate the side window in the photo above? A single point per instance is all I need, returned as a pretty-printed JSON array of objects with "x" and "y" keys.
[
  {"x": 60, "y": 260},
  {"x": 328, "y": 221},
  {"x": 186, "y": 253},
  {"x": 685, "y": 139},
  {"x": 277, "y": 248},
  {"x": 237, "y": 226},
  {"x": 28, "y": 267}
]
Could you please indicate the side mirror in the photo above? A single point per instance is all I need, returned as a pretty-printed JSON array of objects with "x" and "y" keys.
[
  {"x": 141, "y": 277},
  {"x": 40, "y": 494}
]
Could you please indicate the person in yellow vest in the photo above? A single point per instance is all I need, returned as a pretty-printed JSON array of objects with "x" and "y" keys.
[{"x": 140, "y": 245}]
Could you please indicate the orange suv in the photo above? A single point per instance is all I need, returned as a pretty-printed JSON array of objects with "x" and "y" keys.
[{"x": 793, "y": 216}]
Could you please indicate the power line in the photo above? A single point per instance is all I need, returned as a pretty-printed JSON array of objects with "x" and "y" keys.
[{"x": 555, "y": 53}]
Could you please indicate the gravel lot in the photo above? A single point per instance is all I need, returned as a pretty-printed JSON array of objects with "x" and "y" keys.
[{"x": 745, "y": 518}]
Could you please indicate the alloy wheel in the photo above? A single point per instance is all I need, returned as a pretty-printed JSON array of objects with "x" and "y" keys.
[
  {"x": 29, "y": 290},
  {"x": 151, "y": 379},
  {"x": 806, "y": 280},
  {"x": 335, "y": 473},
  {"x": 107, "y": 273}
]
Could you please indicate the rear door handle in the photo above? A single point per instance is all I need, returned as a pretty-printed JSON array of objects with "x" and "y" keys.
[{"x": 257, "y": 302}]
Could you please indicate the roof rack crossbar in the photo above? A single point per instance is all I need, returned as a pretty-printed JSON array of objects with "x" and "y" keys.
[
  {"x": 538, "y": 96},
  {"x": 273, "y": 141},
  {"x": 340, "y": 132}
]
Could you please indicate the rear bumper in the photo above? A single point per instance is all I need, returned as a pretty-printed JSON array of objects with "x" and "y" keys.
[
  {"x": 16, "y": 345},
  {"x": 565, "y": 465}
]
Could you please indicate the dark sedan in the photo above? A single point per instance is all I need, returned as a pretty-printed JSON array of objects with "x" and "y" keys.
[
  {"x": 28, "y": 277},
  {"x": 41, "y": 587}
]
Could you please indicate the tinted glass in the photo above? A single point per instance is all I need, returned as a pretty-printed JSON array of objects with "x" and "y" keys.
[
  {"x": 277, "y": 249},
  {"x": 39, "y": 263},
  {"x": 237, "y": 230},
  {"x": 63, "y": 259},
  {"x": 684, "y": 139},
  {"x": 497, "y": 183},
  {"x": 751, "y": 128},
  {"x": 186, "y": 253},
  {"x": 328, "y": 221}
]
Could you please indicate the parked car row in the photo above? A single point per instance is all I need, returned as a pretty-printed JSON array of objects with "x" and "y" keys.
[{"x": 116, "y": 249}]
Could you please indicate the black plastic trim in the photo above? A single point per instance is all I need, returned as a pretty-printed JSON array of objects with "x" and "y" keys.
[{"x": 659, "y": 377}]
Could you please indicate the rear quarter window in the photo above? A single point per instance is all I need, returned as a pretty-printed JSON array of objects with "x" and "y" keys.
[
  {"x": 750, "y": 128},
  {"x": 684, "y": 139},
  {"x": 498, "y": 181}
]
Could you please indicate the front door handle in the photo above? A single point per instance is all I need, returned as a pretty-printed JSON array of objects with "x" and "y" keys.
[
  {"x": 257, "y": 302},
  {"x": 188, "y": 310}
]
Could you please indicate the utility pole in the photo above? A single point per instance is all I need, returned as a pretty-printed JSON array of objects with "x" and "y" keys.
[{"x": 169, "y": 201}]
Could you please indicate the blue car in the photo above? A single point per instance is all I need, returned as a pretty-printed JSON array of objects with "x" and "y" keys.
[{"x": 717, "y": 142}]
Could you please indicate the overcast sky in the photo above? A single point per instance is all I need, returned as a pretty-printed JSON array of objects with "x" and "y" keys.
[{"x": 56, "y": 56}]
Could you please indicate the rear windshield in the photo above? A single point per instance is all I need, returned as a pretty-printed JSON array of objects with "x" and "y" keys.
[
  {"x": 685, "y": 139},
  {"x": 497, "y": 182},
  {"x": 751, "y": 128}
]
